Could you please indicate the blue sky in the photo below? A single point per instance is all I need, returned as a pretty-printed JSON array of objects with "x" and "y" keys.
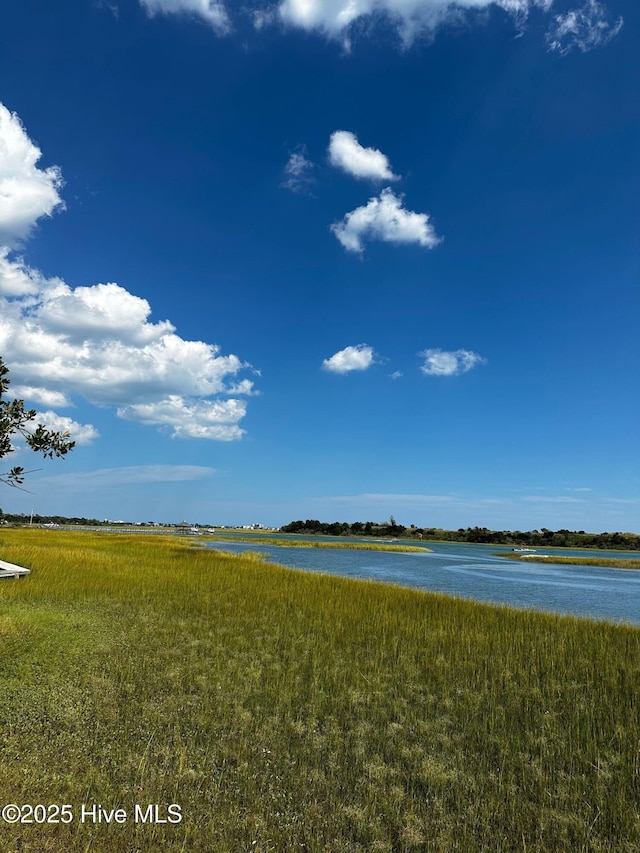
[{"x": 325, "y": 260}]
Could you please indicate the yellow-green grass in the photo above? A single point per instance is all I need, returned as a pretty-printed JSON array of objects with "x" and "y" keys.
[
  {"x": 291, "y": 711},
  {"x": 305, "y": 543},
  {"x": 604, "y": 562}
]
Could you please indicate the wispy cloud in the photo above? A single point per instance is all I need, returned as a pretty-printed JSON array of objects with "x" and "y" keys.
[
  {"x": 552, "y": 499},
  {"x": 131, "y": 475},
  {"x": 458, "y": 510},
  {"x": 384, "y": 218},
  {"x": 358, "y": 357},
  {"x": 210, "y": 11},
  {"x": 110, "y": 7},
  {"x": 385, "y": 502},
  {"x": 583, "y": 29},
  {"x": 335, "y": 18},
  {"x": 383, "y": 499},
  {"x": 298, "y": 173},
  {"x": 439, "y": 362},
  {"x": 346, "y": 153}
]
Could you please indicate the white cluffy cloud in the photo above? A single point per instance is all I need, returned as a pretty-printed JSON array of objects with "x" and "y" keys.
[
  {"x": 333, "y": 18},
  {"x": 384, "y": 218},
  {"x": 215, "y": 419},
  {"x": 346, "y": 153},
  {"x": 358, "y": 357},
  {"x": 439, "y": 362},
  {"x": 80, "y": 433},
  {"x": 211, "y": 11},
  {"x": 97, "y": 342},
  {"x": 26, "y": 192},
  {"x": 584, "y": 29}
]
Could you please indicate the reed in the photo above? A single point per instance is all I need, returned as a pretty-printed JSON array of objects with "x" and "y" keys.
[
  {"x": 291, "y": 711},
  {"x": 303, "y": 543},
  {"x": 603, "y": 562}
]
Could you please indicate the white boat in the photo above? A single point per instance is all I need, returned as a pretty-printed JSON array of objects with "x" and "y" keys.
[{"x": 522, "y": 550}]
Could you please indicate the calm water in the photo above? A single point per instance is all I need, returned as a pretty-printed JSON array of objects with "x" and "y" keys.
[{"x": 471, "y": 571}]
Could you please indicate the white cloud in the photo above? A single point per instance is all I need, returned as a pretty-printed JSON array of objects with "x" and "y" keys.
[
  {"x": 439, "y": 362},
  {"x": 384, "y": 218},
  {"x": 130, "y": 475},
  {"x": 16, "y": 279},
  {"x": 298, "y": 175},
  {"x": 110, "y": 7},
  {"x": 585, "y": 28},
  {"x": 97, "y": 342},
  {"x": 80, "y": 433},
  {"x": 211, "y": 11},
  {"x": 358, "y": 357},
  {"x": 108, "y": 353},
  {"x": 99, "y": 312},
  {"x": 385, "y": 499},
  {"x": 346, "y": 153},
  {"x": 396, "y": 374},
  {"x": 213, "y": 419},
  {"x": 26, "y": 192},
  {"x": 561, "y": 499},
  {"x": 44, "y": 396},
  {"x": 334, "y": 18},
  {"x": 244, "y": 387}
]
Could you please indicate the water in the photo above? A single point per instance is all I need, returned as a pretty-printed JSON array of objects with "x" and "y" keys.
[{"x": 471, "y": 571}]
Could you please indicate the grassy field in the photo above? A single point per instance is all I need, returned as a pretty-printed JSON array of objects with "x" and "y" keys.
[
  {"x": 305, "y": 543},
  {"x": 605, "y": 562},
  {"x": 290, "y": 711}
]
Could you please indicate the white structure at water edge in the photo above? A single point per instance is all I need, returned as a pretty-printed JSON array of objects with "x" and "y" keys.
[{"x": 10, "y": 570}]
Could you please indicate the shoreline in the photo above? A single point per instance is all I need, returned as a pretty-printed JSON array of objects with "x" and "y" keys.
[
  {"x": 604, "y": 562},
  {"x": 350, "y": 546}
]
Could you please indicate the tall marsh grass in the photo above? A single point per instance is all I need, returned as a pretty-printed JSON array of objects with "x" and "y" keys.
[
  {"x": 602, "y": 562},
  {"x": 290, "y": 711},
  {"x": 305, "y": 543}
]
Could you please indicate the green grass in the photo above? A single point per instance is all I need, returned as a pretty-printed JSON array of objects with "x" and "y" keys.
[
  {"x": 291, "y": 711},
  {"x": 604, "y": 562},
  {"x": 305, "y": 543}
]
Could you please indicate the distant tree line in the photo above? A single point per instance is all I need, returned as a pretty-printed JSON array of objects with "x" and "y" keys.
[
  {"x": 544, "y": 537},
  {"x": 37, "y": 519},
  {"x": 342, "y": 528},
  {"x": 22, "y": 518}
]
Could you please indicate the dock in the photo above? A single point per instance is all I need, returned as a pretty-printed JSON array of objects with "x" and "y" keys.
[{"x": 10, "y": 570}]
